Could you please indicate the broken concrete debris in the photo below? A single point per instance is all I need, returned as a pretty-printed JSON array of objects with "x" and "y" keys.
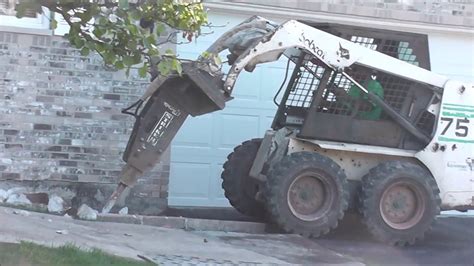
[
  {"x": 15, "y": 190},
  {"x": 55, "y": 204},
  {"x": 21, "y": 212},
  {"x": 123, "y": 211},
  {"x": 62, "y": 232},
  {"x": 87, "y": 213},
  {"x": 3, "y": 195},
  {"x": 18, "y": 199}
]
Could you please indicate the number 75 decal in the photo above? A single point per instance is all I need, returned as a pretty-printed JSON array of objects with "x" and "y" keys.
[{"x": 462, "y": 130}]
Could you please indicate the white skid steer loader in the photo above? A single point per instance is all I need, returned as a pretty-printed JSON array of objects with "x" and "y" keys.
[{"x": 354, "y": 127}]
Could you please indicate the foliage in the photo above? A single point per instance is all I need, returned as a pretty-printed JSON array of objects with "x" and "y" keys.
[{"x": 126, "y": 32}]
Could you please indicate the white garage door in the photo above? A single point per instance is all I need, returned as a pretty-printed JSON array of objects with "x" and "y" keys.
[{"x": 203, "y": 143}]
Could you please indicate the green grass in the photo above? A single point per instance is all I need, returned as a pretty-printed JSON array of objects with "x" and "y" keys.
[{"x": 29, "y": 254}]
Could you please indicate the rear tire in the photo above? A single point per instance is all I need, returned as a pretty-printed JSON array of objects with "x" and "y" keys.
[
  {"x": 239, "y": 188},
  {"x": 399, "y": 202},
  {"x": 306, "y": 194}
]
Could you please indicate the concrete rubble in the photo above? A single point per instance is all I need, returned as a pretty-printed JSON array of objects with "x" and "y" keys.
[
  {"x": 3, "y": 195},
  {"x": 55, "y": 204},
  {"x": 15, "y": 190},
  {"x": 18, "y": 200},
  {"x": 123, "y": 211},
  {"x": 21, "y": 212},
  {"x": 87, "y": 213}
]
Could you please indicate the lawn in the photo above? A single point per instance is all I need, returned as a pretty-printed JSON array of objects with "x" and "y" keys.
[{"x": 29, "y": 254}]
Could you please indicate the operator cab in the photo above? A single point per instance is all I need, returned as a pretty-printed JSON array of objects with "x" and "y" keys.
[{"x": 323, "y": 104}]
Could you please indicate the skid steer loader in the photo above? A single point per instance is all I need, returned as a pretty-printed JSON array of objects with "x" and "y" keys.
[{"x": 354, "y": 126}]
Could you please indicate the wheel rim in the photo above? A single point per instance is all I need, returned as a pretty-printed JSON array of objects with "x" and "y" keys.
[
  {"x": 402, "y": 205},
  {"x": 309, "y": 197}
]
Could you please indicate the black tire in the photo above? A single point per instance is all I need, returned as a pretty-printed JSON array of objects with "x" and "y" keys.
[
  {"x": 293, "y": 193},
  {"x": 399, "y": 202},
  {"x": 239, "y": 188}
]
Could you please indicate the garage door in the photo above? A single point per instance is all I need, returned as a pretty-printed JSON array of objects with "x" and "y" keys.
[{"x": 202, "y": 145}]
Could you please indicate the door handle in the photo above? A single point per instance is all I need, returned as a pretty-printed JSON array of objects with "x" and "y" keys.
[{"x": 470, "y": 162}]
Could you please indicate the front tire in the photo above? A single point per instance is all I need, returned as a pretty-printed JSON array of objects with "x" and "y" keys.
[
  {"x": 240, "y": 189},
  {"x": 306, "y": 194},
  {"x": 399, "y": 202}
]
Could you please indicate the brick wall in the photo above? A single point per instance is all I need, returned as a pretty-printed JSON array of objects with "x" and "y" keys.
[{"x": 60, "y": 116}]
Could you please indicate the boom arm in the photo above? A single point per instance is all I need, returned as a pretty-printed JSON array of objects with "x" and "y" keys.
[{"x": 336, "y": 52}]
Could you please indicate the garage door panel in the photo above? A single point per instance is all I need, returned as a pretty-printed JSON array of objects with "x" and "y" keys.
[
  {"x": 201, "y": 128},
  {"x": 236, "y": 127},
  {"x": 203, "y": 143},
  {"x": 217, "y": 193},
  {"x": 192, "y": 154},
  {"x": 248, "y": 85},
  {"x": 194, "y": 175},
  {"x": 271, "y": 82}
]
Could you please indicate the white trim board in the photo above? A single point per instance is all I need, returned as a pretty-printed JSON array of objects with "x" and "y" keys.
[{"x": 298, "y": 14}]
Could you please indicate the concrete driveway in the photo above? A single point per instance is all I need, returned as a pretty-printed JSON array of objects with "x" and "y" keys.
[
  {"x": 450, "y": 242},
  {"x": 166, "y": 246}
]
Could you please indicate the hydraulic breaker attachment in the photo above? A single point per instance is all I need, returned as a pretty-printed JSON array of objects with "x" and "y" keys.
[{"x": 194, "y": 93}]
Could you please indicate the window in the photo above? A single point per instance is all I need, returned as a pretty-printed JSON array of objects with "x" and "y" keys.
[{"x": 31, "y": 20}]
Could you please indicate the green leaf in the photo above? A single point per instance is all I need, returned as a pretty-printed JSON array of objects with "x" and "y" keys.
[
  {"x": 206, "y": 54},
  {"x": 119, "y": 65},
  {"x": 109, "y": 57},
  {"x": 128, "y": 60},
  {"x": 178, "y": 67},
  {"x": 123, "y": 4},
  {"x": 137, "y": 58},
  {"x": 135, "y": 14},
  {"x": 133, "y": 29},
  {"x": 142, "y": 71},
  {"x": 160, "y": 29},
  {"x": 98, "y": 32},
  {"x": 54, "y": 24},
  {"x": 85, "y": 51},
  {"x": 79, "y": 42},
  {"x": 217, "y": 60},
  {"x": 164, "y": 67},
  {"x": 27, "y": 5},
  {"x": 148, "y": 42}
]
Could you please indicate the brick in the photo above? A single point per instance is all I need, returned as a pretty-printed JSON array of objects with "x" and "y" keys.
[
  {"x": 54, "y": 148},
  {"x": 45, "y": 99},
  {"x": 70, "y": 177},
  {"x": 82, "y": 115},
  {"x": 10, "y": 132},
  {"x": 68, "y": 163},
  {"x": 42, "y": 127},
  {"x": 9, "y": 176},
  {"x": 59, "y": 155},
  {"x": 73, "y": 149},
  {"x": 111, "y": 97},
  {"x": 91, "y": 150},
  {"x": 13, "y": 146},
  {"x": 65, "y": 142}
]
